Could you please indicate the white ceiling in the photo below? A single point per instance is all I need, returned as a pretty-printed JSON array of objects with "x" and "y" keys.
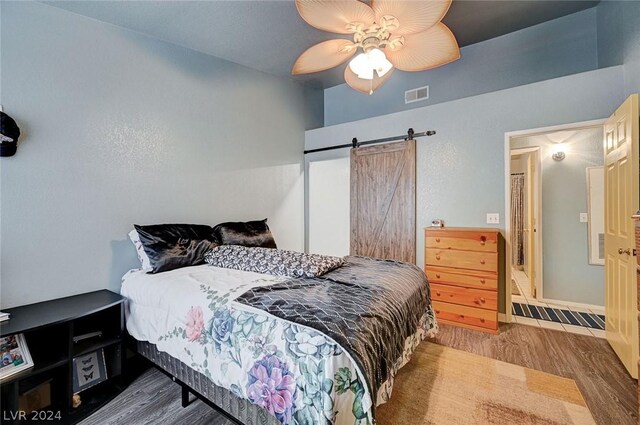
[{"x": 269, "y": 35}]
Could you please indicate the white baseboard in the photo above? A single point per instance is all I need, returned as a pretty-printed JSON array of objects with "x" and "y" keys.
[{"x": 572, "y": 304}]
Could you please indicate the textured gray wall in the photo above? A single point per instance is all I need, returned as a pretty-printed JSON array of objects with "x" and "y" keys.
[
  {"x": 460, "y": 170},
  {"x": 567, "y": 274},
  {"x": 120, "y": 128},
  {"x": 564, "y": 46},
  {"x": 619, "y": 39}
]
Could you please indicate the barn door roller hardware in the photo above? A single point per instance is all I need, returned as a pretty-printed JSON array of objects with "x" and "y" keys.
[{"x": 410, "y": 135}]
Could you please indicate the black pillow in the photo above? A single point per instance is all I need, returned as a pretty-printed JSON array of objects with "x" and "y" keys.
[
  {"x": 249, "y": 233},
  {"x": 171, "y": 246}
]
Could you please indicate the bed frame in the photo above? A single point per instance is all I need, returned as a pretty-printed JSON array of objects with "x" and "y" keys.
[{"x": 235, "y": 409}]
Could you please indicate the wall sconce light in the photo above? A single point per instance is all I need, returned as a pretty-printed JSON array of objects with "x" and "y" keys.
[{"x": 558, "y": 152}]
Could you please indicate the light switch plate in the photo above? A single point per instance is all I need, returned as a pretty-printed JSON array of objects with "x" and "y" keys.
[
  {"x": 493, "y": 218},
  {"x": 584, "y": 218}
]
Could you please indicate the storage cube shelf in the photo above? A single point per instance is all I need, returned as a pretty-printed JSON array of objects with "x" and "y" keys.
[{"x": 49, "y": 328}]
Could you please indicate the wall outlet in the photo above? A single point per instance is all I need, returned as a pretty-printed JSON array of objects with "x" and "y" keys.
[
  {"x": 584, "y": 218},
  {"x": 493, "y": 218}
]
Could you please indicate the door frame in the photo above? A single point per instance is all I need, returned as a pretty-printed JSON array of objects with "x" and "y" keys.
[
  {"x": 507, "y": 199},
  {"x": 537, "y": 193}
]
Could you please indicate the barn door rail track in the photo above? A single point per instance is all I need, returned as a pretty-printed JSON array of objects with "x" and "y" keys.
[{"x": 410, "y": 135}]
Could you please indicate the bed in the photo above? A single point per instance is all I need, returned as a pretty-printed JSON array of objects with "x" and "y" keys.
[{"x": 279, "y": 350}]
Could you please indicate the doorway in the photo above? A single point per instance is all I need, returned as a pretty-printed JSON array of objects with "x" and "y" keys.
[
  {"x": 525, "y": 216},
  {"x": 548, "y": 204}
]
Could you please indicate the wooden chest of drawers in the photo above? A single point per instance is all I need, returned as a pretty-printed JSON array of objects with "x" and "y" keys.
[{"x": 464, "y": 267}]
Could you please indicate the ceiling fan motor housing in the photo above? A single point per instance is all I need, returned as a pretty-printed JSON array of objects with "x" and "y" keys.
[{"x": 370, "y": 43}]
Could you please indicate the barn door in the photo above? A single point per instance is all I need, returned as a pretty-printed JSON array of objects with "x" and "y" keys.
[{"x": 383, "y": 201}]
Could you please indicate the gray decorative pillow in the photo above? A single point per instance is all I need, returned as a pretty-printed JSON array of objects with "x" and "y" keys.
[{"x": 271, "y": 261}]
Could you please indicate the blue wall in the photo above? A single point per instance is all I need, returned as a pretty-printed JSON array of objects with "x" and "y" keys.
[
  {"x": 119, "y": 128},
  {"x": 564, "y": 46},
  {"x": 619, "y": 39},
  {"x": 460, "y": 170}
]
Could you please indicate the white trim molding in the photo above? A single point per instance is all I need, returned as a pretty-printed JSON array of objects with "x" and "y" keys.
[{"x": 570, "y": 304}]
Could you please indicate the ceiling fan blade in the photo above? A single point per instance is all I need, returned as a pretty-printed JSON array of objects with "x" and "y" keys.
[
  {"x": 365, "y": 86},
  {"x": 335, "y": 15},
  {"x": 413, "y": 16},
  {"x": 434, "y": 47},
  {"x": 323, "y": 56}
]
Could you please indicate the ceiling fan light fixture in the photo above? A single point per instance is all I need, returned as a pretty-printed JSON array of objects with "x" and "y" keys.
[
  {"x": 390, "y": 34},
  {"x": 366, "y": 63}
]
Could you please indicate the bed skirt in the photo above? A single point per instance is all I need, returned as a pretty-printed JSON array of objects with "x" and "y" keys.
[{"x": 239, "y": 408}]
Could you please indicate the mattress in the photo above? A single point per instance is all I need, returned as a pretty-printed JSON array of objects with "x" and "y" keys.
[{"x": 285, "y": 369}]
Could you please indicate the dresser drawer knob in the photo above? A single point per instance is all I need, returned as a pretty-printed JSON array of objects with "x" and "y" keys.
[
  {"x": 437, "y": 239},
  {"x": 482, "y": 261},
  {"x": 482, "y": 281},
  {"x": 462, "y": 316},
  {"x": 483, "y": 240},
  {"x": 437, "y": 311},
  {"x": 437, "y": 257},
  {"x": 482, "y": 320},
  {"x": 437, "y": 276},
  {"x": 438, "y": 293},
  {"x": 479, "y": 300},
  {"x": 482, "y": 300}
]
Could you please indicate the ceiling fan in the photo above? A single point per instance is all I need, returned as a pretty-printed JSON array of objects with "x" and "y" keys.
[{"x": 402, "y": 34}]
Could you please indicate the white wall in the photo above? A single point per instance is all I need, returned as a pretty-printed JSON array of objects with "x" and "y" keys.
[
  {"x": 329, "y": 183},
  {"x": 460, "y": 170}
]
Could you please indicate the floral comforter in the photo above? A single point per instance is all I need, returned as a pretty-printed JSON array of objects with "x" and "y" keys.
[{"x": 298, "y": 374}]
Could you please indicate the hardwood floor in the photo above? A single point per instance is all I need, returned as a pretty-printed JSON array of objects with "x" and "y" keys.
[
  {"x": 608, "y": 390},
  {"x": 154, "y": 399}
]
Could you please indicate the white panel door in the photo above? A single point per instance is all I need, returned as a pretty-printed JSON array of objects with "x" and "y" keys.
[{"x": 621, "y": 202}]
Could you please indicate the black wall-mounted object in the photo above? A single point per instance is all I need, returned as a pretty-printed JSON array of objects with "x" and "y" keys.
[{"x": 9, "y": 133}]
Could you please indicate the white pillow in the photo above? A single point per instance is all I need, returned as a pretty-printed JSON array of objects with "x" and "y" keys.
[{"x": 142, "y": 256}]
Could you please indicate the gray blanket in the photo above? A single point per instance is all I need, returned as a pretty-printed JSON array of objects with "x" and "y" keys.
[{"x": 368, "y": 306}]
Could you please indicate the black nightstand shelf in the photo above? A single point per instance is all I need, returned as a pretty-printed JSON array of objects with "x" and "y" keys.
[{"x": 49, "y": 329}]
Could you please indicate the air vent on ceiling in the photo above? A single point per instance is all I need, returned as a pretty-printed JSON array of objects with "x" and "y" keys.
[{"x": 415, "y": 95}]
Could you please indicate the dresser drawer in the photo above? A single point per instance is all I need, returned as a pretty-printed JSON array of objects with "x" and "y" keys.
[
  {"x": 459, "y": 277},
  {"x": 468, "y": 315},
  {"x": 465, "y": 296},
  {"x": 462, "y": 240},
  {"x": 487, "y": 261}
]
